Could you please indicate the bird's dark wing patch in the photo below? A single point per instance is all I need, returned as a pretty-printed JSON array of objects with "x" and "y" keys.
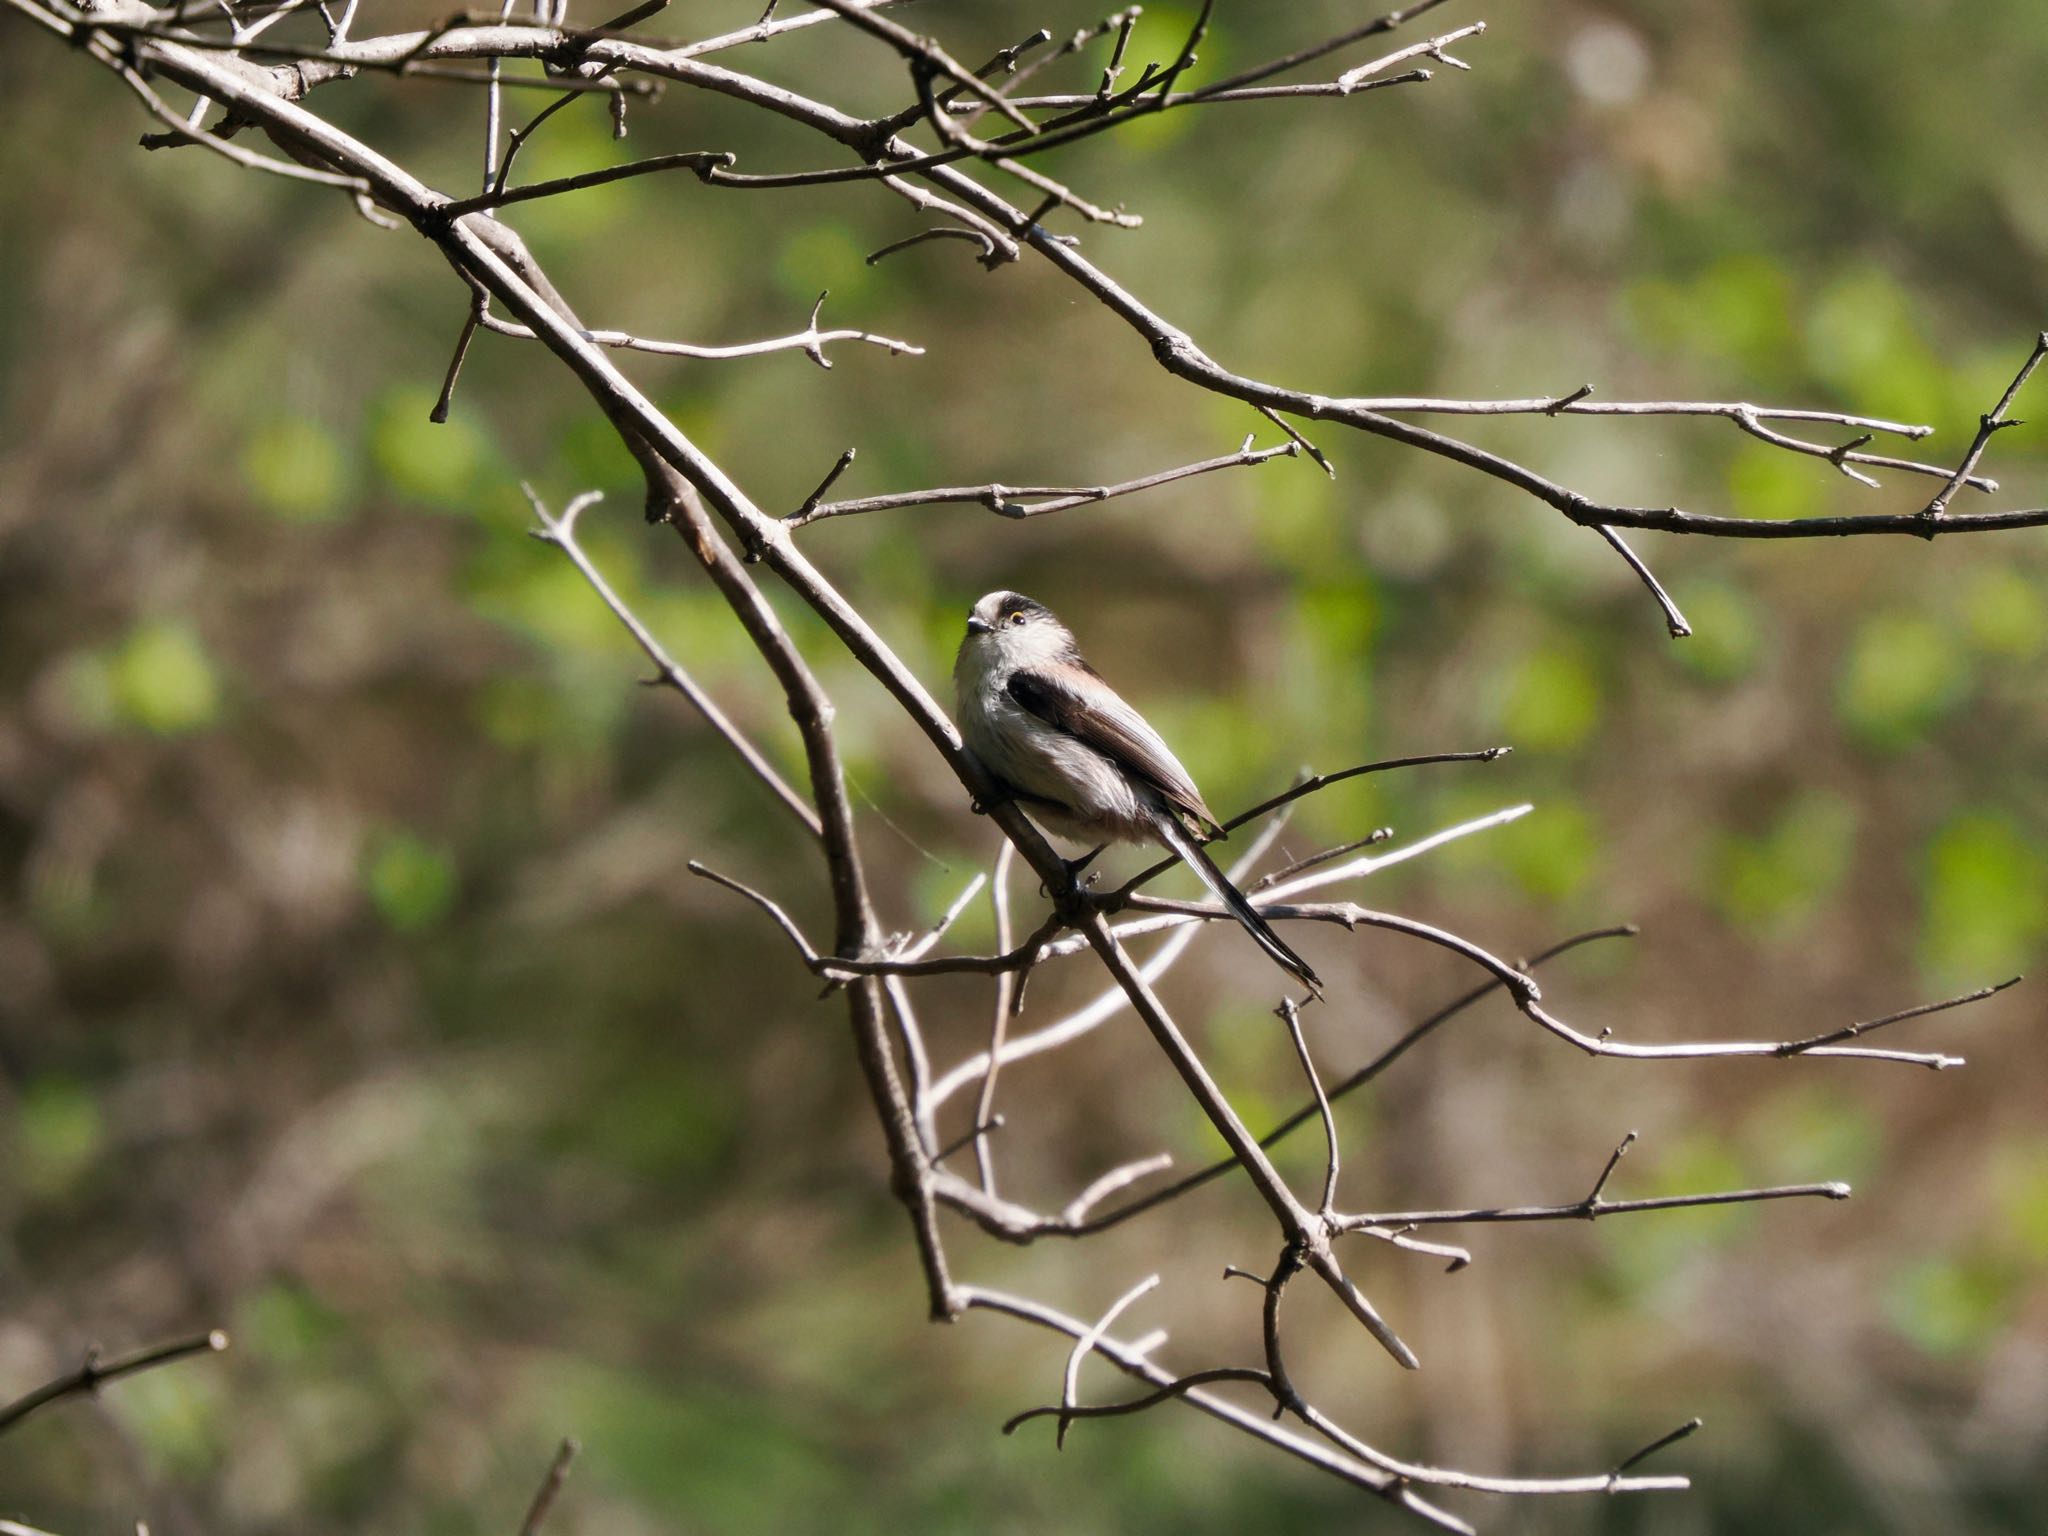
[{"x": 1105, "y": 722}]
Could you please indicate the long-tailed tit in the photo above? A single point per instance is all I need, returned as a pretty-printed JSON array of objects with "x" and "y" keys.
[{"x": 1079, "y": 759}]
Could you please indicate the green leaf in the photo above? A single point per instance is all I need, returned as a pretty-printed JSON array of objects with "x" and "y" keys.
[
  {"x": 1815, "y": 1133},
  {"x": 2005, "y": 614},
  {"x": 1950, "y": 1306},
  {"x": 692, "y": 1446},
  {"x": 175, "y": 1414},
  {"x": 162, "y": 679},
  {"x": 1986, "y": 895},
  {"x": 285, "y": 1323},
  {"x": 1553, "y": 702},
  {"x": 58, "y": 1132},
  {"x": 2022, "y": 1190},
  {"x": 1772, "y": 486},
  {"x": 1773, "y": 883},
  {"x": 1727, "y": 631},
  {"x": 1902, "y": 674},
  {"x": 825, "y": 257},
  {"x": 1553, "y": 851},
  {"x": 296, "y": 469},
  {"x": 411, "y": 882},
  {"x": 437, "y": 464}
]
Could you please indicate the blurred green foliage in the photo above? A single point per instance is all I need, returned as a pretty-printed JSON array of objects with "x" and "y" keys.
[{"x": 354, "y": 994}]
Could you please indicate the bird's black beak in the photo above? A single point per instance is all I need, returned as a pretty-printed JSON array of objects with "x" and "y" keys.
[{"x": 977, "y": 625}]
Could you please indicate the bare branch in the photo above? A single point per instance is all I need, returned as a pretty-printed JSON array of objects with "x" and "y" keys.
[
  {"x": 561, "y": 533},
  {"x": 1673, "y": 619},
  {"x": 1988, "y": 426},
  {"x": 767, "y": 904},
  {"x": 1290, "y": 1400},
  {"x": 1356, "y": 1080},
  {"x": 1316, "y": 784},
  {"x": 810, "y": 341},
  {"x": 1084, "y": 1345},
  {"x": 1850, "y": 1032},
  {"x": 1076, "y": 1213},
  {"x": 1020, "y": 501},
  {"x": 1179, "y": 1387},
  {"x": 1290, "y": 1015},
  {"x": 550, "y": 1487},
  {"x": 765, "y": 29},
  {"x": 1524, "y": 991},
  {"x": 1591, "y": 1208},
  {"x": 1132, "y": 1363},
  {"x": 93, "y": 1372},
  {"x": 1008, "y": 994},
  {"x": 1105, "y": 1007},
  {"x": 695, "y": 495}
]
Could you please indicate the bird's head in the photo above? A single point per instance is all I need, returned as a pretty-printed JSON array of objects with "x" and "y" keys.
[{"x": 1014, "y": 630}]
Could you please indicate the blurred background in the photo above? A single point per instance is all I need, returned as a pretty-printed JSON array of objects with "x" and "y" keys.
[{"x": 354, "y": 997}]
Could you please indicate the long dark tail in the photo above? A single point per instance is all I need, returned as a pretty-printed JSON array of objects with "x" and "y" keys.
[{"x": 1197, "y": 858}]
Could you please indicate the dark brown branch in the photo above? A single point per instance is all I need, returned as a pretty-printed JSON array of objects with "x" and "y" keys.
[
  {"x": 1291, "y": 61},
  {"x": 1851, "y": 1031},
  {"x": 703, "y": 162},
  {"x": 1589, "y": 1208},
  {"x": 1179, "y": 1387},
  {"x": 93, "y": 1372},
  {"x": 1613, "y": 1162},
  {"x": 550, "y": 1488},
  {"x": 1676, "y": 1435},
  {"x": 470, "y": 324}
]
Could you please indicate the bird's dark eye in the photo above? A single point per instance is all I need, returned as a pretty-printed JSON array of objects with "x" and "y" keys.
[{"x": 1017, "y": 618}]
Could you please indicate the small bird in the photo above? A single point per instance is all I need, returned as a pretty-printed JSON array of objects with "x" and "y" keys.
[{"x": 1080, "y": 760}]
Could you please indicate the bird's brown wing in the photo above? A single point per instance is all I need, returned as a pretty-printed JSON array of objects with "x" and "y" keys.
[{"x": 1089, "y": 710}]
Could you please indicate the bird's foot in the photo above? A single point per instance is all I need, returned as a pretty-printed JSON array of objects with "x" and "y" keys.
[{"x": 1076, "y": 886}]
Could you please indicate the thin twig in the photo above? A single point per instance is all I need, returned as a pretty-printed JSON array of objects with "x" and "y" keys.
[
  {"x": 1428, "y": 1025},
  {"x": 93, "y": 1372},
  {"x": 1084, "y": 1345},
  {"x": 561, "y": 533},
  {"x": 999, "y": 1024},
  {"x": 1591, "y": 1208},
  {"x": 767, "y": 904},
  {"x": 1850, "y": 1032},
  {"x": 1067, "y": 1412},
  {"x": 550, "y": 1487},
  {"x": 811, "y": 341},
  {"x": 1290, "y": 1015},
  {"x": 1021, "y": 501},
  {"x": 1988, "y": 426},
  {"x": 1673, "y": 619}
]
